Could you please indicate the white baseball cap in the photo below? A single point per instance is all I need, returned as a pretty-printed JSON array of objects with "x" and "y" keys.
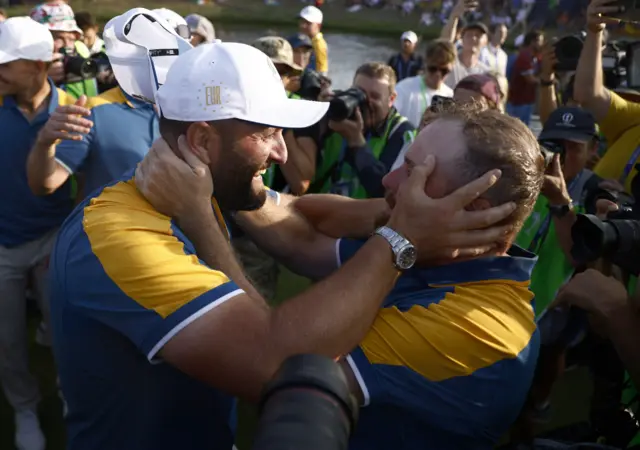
[
  {"x": 230, "y": 80},
  {"x": 311, "y": 14},
  {"x": 409, "y": 36},
  {"x": 24, "y": 38},
  {"x": 141, "y": 47}
]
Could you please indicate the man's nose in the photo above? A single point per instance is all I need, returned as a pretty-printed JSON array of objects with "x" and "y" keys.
[
  {"x": 279, "y": 152},
  {"x": 390, "y": 180}
]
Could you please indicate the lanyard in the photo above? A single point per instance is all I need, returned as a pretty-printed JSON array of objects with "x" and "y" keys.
[
  {"x": 629, "y": 166},
  {"x": 541, "y": 234},
  {"x": 423, "y": 90}
]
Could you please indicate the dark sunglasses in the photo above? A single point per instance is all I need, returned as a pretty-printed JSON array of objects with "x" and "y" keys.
[{"x": 444, "y": 71}]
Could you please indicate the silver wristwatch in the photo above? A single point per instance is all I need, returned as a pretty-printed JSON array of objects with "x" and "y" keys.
[{"x": 404, "y": 253}]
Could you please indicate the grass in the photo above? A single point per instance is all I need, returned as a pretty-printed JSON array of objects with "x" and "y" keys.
[
  {"x": 571, "y": 394},
  {"x": 257, "y": 14}
]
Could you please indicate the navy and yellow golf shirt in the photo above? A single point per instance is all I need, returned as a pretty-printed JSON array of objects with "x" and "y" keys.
[
  {"x": 124, "y": 281},
  {"x": 450, "y": 357}
]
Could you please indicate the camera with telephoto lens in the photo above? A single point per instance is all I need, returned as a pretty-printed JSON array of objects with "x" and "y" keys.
[
  {"x": 310, "y": 85},
  {"x": 617, "y": 238},
  {"x": 343, "y": 105},
  {"x": 307, "y": 406},
  {"x": 77, "y": 68}
]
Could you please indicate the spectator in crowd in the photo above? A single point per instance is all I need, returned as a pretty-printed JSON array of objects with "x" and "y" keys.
[
  {"x": 302, "y": 49},
  {"x": 310, "y": 23},
  {"x": 60, "y": 19},
  {"x": 468, "y": 62},
  {"x": 87, "y": 24},
  {"x": 28, "y": 224},
  {"x": 619, "y": 119},
  {"x": 481, "y": 88},
  {"x": 524, "y": 81},
  {"x": 414, "y": 94},
  {"x": 182, "y": 310},
  {"x": 405, "y": 63},
  {"x": 3, "y": 15},
  {"x": 359, "y": 151},
  {"x": 492, "y": 54},
  {"x": 202, "y": 31}
]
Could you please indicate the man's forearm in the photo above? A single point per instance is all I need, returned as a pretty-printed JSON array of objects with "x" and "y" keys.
[
  {"x": 333, "y": 316},
  {"x": 214, "y": 249},
  {"x": 41, "y": 164},
  {"x": 624, "y": 332},
  {"x": 588, "y": 82}
]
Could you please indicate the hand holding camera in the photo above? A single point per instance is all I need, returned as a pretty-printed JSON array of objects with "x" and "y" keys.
[
  {"x": 548, "y": 62},
  {"x": 554, "y": 186},
  {"x": 56, "y": 69},
  {"x": 352, "y": 129}
]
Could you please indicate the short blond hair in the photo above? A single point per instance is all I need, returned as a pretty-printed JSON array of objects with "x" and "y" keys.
[
  {"x": 441, "y": 51},
  {"x": 378, "y": 71}
]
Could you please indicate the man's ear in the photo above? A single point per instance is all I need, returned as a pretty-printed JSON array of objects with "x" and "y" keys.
[{"x": 201, "y": 137}]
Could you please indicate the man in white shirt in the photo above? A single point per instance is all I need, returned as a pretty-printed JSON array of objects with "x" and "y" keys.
[
  {"x": 492, "y": 54},
  {"x": 414, "y": 94},
  {"x": 468, "y": 60}
]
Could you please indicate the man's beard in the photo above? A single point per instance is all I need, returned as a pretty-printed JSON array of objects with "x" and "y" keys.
[{"x": 233, "y": 185}]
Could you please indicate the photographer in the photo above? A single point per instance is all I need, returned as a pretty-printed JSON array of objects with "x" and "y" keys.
[
  {"x": 70, "y": 69},
  {"x": 619, "y": 119},
  {"x": 547, "y": 231},
  {"x": 360, "y": 150}
]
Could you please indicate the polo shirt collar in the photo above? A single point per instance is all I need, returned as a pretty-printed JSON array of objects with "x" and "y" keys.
[
  {"x": 516, "y": 266},
  {"x": 10, "y": 102},
  {"x": 132, "y": 101}
]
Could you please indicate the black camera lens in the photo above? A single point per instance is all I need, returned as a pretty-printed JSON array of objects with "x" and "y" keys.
[
  {"x": 79, "y": 67},
  {"x": 344, "y": 104},
  {"x": 307, "y": 406}
]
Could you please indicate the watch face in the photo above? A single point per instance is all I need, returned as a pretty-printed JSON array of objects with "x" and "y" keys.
[{"x": 406, "y": 257}]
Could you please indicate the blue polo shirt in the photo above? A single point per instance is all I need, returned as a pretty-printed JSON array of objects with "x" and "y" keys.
[
  {"x": 450, "y": 357},
  {"x": 124, "y": 281},
  {"x": 25, "y": 217},
  {"x": 123, "y": 130}
]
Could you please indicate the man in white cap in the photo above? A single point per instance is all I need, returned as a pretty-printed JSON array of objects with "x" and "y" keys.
[
  {"x": 59, "y": 18},
  {"x": 28, "y": 224},
  {"x": 155, "y": 324},
  {"x": 310, "y": 23},
  {"x": 406, "y": 63}
]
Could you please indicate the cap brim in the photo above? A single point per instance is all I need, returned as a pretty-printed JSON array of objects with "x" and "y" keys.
[
  {"x": 293, "y": 66},
  {"x": 291, "y": 113},
  {"x": 567, "y": 135},
  {"x": 6, "y": 57}
]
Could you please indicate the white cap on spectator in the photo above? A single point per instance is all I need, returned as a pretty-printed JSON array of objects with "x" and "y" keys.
[
  {"x": 57, "y": 16},
  {"x": 409, "y": 36},
  {"x": 311, "y": 14},
  {"x": 24, "y": 38},
  {"x": 131, "y": 40},
  {"x": 232, "y": 81}
]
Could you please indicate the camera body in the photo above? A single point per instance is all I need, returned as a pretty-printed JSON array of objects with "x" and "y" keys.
[
  {"x": 617, "y": 238},
  {"x": 549, "y": 149},
  {"x": 310, "y": 85},
  {"x": 77, "y": 68},
  {"x": 344, "y": 104}
]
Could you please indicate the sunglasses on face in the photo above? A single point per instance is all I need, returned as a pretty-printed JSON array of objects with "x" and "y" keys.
[{"x": 444, "y": 71}]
